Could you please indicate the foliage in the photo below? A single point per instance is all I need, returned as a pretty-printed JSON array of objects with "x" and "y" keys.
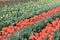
[
  {"x": 11, "y": 14},
  {"x": 26, "y": 32}
]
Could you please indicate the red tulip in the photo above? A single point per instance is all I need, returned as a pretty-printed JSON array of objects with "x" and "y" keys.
[
  {"x": 39, "y": 38},
  {"x": 31, "y": 19},
  {"x": 9, "y": 35},
  {"x": 32, "y": 37},
  {"x": 30, "y": 23},
  {"x": 36, "y": 18},
  {"x": 37, "y": 35},
  {"x": 5, "y": 29},
  {"x": 50, "y": 37},
  {"x": 44, "y": 14},
  {"x": 25, "y": 22},
  {"x": 0, "y": 37},
  {"x": 3, "y": 33},
  {"x": 54, "y": 23}
]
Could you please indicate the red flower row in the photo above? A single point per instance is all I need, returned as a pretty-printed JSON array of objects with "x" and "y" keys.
[
  {"x": 42, "y": 16},
  {"x": 49, "y": 30},
  {"x": 8, "y": 31}
]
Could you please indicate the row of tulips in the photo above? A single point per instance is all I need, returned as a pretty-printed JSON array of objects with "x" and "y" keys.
[
  {"x": 30, "y": 30},
  {"x": 35, "y": 29},
  {"x": 8, "y": 31},
  {"x": 49, "y": 30},
  {"x": 10, "y": 14},
  {"x": 36, "y": 18}
]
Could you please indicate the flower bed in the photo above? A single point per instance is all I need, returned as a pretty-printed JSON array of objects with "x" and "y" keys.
[
  {"x": 31, "y": 21},
  {"x": 8, "y": 31},
  {"x": 49, "y": 30},
  {"x": 26, "y": 32},
  {"x": 11, "y": 14}
]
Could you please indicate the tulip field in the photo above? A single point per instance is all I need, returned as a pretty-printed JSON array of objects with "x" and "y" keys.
[{"x": 38, "y": 20}]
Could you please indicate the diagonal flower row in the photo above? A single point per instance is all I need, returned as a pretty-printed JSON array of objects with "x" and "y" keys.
[
  {"x": 8, "y": 31},
  {"x": 49, "y": 30},
  {"x": 36, "y": 18},
  {"x": 19, "y": 12}
]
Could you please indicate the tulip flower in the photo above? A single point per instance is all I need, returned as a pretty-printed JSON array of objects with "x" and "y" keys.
[{"x": 32, "y": 37}]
